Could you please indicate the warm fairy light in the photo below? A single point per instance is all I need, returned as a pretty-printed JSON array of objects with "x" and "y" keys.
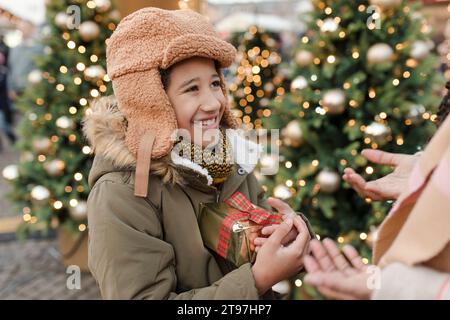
[
  {"x": 288, "y": 164},
  {"x": 351, "y": 122},
  {"x": 408, "y": 122},
  {"x": 72, "y": 110},
  {"x": 80, "y": 66},
  {"x": 316, "y": 61},
  {"x": 383, "y": 115},
  {"x": 73, "y": 202},
  {"x": 372, "y": 93},
  {"x": 72, "y": 138},
  {"x": 361, "y": 8},
  {"x": 363, "y": 236},
  {"x": 369, "y": 170},
  {"x": 340, "y": 239},
  {"x": 343, "y": 162},
  {"x": 306, "y": 104},
  {"x": 81, "y": 49},
  {"x": 58, "y": 205},
  {"x": 77, "y": 81},
  {"x": 289, "y": 183},
  {"x": 83, "y": 101},
  {"x": 68, "y": 189},
  {"x": 313, "y": 77},
  {"x": 353, "y": 103},
  {"x": 60, "y": 87},
  {"x": 331, "y": 59},
  {"x": 41, "y": 158},
  {"x": 365, "y": 260},
  {"x": 328, "y": 10},
  {"x": 63, "y": 69},
  {"x": 39, "y": 101},
  {"x": 26, "y": 217},
  {"x": 305, "y": 39},
  {"x": 341, "y": 34},
  {"x": 406, "y": 74},
  {"x": 355, "y": 54},
  {"x": 298, "y": 283},
  {"x": 395, "y": 82},
  {"x": 391, "y": 30},
  {"x": 94, "y": 58},
  {"x": 71, "y": 44},
  {"x": 94, "y": 93},
  {"x": 315, "y": 163},
  {"x": 412, "y": 63},
  {"x": 91, "y": 4},
  {"x": 400, "y": 141},
  {"x": 302, "y": 183},
  {"x": 82, "y": 227},
  {"x": 78, "y": 176}
]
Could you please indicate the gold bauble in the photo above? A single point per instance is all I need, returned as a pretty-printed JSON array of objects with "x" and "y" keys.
[
  {"x": 292, "y": 134},
  {"x": 40, "y": 194},
  {"x": 329, "y": 181},
  {"x": 41, "y": 145},
  {"x": 55, "y": 167},
  {"x": 304, "y": 58},
  {"x": 10, "y": 172},
  {"x": 79, "y": 212},
  {"x": 334, "y": 101},
  {"x": 89, "y": 31},
  {"x": 378, "y": 133},
  {"x": 379, "y": 53}
]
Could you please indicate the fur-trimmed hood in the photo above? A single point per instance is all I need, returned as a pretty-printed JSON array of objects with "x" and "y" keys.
[{"x": 105, "y": 128}]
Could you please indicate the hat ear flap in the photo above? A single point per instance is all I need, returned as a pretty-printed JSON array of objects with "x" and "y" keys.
[
  {"x": 145, "y": 104},
  {"x": 228, "y": 119}
]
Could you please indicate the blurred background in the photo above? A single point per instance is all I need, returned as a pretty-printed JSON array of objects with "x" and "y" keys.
[{"x": 335, "y": 76}]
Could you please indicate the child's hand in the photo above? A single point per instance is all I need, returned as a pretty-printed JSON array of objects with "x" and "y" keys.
[
  {"x": 285, "y": 211},
  {"x": 276, "y": 262}
]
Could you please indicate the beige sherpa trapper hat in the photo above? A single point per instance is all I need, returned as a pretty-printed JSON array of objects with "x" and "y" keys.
[{"x": 144, "y": 42}]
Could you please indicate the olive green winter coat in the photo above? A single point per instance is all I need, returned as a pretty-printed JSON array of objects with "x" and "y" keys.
[{"x": 151, "y": 248}]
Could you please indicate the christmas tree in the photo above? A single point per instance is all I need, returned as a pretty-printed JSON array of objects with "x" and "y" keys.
[
  {"x": 256, "y": 77},
  {"x": 363, "y": 77},
  {"x": 50, "y": 181}
]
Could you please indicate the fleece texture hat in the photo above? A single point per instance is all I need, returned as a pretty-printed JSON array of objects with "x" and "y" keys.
[{"x": 144, "y": 42}]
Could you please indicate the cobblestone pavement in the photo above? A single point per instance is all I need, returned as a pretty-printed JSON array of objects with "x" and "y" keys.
[
  {"x": 7, "y": 156},
  {"x": 32, "y": 270}
]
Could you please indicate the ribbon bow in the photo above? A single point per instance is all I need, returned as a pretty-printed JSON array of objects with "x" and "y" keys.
[{"x": 246, "y": 211}]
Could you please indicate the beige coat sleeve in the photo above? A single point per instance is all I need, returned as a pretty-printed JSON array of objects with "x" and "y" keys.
[
  {"x": 129, "y": 259},
  {"x": 402, "y": 282}
]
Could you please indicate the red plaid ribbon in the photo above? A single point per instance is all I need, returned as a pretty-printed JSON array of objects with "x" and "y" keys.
[{"x": 246, "y": 211}]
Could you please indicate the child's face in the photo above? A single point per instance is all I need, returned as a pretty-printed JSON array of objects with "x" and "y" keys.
[{"x": 195, "y": 93}]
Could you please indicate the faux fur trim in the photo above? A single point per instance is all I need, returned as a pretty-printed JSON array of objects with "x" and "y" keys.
[{"x": 105, "y": 127}]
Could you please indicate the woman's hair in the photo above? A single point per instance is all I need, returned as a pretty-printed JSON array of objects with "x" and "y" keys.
[
  {"x": 165, "y": 74},
  {"x": 444, "y": 107}
]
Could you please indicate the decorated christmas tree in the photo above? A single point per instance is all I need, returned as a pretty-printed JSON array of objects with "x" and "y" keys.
[
  {"x": 256, "y": 78},
  {"x": 363, "y": 76},
  {"x": 50, "y": 181}
]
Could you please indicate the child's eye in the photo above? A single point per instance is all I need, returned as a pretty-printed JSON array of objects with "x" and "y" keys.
[
  {"x": 191, "y": 89},
  {"x": 216, "y": 83}
]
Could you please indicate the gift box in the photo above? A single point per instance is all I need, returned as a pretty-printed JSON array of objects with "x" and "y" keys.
[{"x": 229, "y": 228}]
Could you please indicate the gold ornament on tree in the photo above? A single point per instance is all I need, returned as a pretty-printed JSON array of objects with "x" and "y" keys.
[
  {"x": 420, "y": 49},
  {"x": 298, "y": 84},
  {"x": 102, "y": 5},
  {"x": 61, "y": 20},
  {"x": 415, "y": 113},
  {"x": 329, "y": 25},
  {"x": 378, "y": 132},
  {"x": 304, "y": 58},
  {"x": 55, "y": 167},
  {"x": 386, "y": 4},
  {"x": 79, "y": 211},
  {"x": 94, "y": 72},
  {"x": 282, "y": 192},
  {"x": 334, "y": 101},
  {"x": 10, "y": 172},
  {"x": 40, "y": 194},
  {"x": 65, "y": 124},
  {"x": 379, "y": 53},
  {"x": 89, "y": 31},
  {"x": 292, "y": 134},
  {"x": 329, "y": 181},
  {"x": 41, "y": 145}
]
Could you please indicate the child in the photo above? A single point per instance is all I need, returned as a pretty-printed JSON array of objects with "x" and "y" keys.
[{"x": 145, "y": 241}]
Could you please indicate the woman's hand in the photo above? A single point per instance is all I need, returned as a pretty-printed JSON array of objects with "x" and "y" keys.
[
  {"x": 337, "y": 275},
  {"x": 275, "y": 262},
  {"x": 285, "y": 211},
  {"x": 388, "y": 187}
]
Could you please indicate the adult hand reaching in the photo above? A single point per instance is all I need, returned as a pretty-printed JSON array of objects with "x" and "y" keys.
[{"x": 388, "y": 187}]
